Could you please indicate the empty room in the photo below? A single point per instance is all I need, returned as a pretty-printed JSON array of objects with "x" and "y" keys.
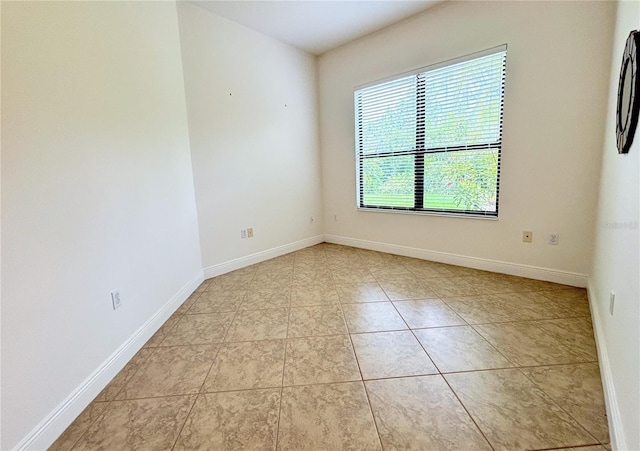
[{"x": 320, "y": 225}]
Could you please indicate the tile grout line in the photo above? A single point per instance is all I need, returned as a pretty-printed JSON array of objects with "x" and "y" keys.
[
  {"x": 364, "y": 386},
  {"x": 284, "y": 361},
  {"x": 552, "y": 399},
  {"x": 415, "y": 337},
  {"x": 110, "y": 401},
  {"x": 468, "y": 413},
  {"x": 204, "y": 380},
  {"x": 335, "y": 264}
]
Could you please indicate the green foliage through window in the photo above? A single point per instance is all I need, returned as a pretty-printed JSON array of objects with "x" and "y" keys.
[{"x": 431, "y": 141}]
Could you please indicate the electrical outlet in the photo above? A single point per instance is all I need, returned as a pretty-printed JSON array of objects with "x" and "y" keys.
[
  {"x": 527, "y": 237},
  {"x": 249, "y": 232},
  {"x": 115, "y": 299},
  {"x": 553, "y": 239},
  {"x": 612, "y": 301},
  {"x": 243, "y": 233}
]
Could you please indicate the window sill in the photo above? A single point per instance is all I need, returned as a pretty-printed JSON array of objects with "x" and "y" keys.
[{"x": 428, "y": 213}]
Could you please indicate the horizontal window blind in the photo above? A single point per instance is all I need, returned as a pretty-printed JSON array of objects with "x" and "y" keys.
[{"x": 431, "y": 140}]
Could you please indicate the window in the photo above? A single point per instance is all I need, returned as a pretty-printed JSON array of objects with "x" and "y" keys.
[{"x": 430, "y": 141}]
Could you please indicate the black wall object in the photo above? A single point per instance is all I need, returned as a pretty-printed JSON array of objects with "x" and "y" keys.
[{"x": 628, "y": 106}]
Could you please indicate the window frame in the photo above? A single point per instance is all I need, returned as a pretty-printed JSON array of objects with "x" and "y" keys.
[{"x": 420, "y": 150}]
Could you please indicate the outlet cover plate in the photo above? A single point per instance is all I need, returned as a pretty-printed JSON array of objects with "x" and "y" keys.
[{"x": 116, "y": 302}]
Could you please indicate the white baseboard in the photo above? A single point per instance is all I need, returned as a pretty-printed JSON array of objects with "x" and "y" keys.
[
  {"x": 611, "y": 401},
  {"x": 54, "y": 424},
  {"x": 232, "y": 265},
  {"x": 514, "y": 269}
]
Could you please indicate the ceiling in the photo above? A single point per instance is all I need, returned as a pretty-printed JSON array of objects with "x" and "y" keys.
[{"x": 317, "y": 26}]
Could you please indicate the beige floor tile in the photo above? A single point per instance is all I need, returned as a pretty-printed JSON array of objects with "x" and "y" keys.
[
  {"x": 361, "y": 292},
  {"x": 177, "y": 370},
  {"x": 462, "y": 271},
  {"x": 157, "y": 339},
  {"x": 576, "y": 333},
  {"x": 515, "y": 283},
  {"x": 391, "y": 354},
  {"x": 186, "y": 305},
  {"x": 586, "y": 448},
  {"x": 312, "y": 264},
  {"x": 320, "y": 360},
  {"x": 404, "y": 290},
  {"x": 276, "y": 267},
  {"x": 316, "y": 320},
  {"x": 247, "y": 365},
  {"x": 429, "y": 270},
  {"x": 528, "y": 344},
  {"x": 531, "y": 306},
  {"x": 327, "y": 417},
  {"x": 460, "y": 349},
  {"x": 574, "y": 301},
  {"x": 348, "y": 271},
  {"x": 309, "y": 268},
  {"x": 232, "y": 421},
  {"x": 304, "y": 277},
  {"x": 422, "y": 413},
  {"x": 393, "y": 273},
  {"x": 263, "y": 298},
  {"x": 503, "y": 307},
  {"x": 273, "y": 276},
  {"x": 309, "y": 255},
  {"x": 270, "y": 282},
  {"x": 286, "y": 322},
  {"x": 372, "y": 317},
  {"x": 119, "y": 381},
  {"x": 513, "y": 413},
  {"x": 138, "y": 424},
  {"x": 233, "y": 280},
  {"x": 351, "y": 275},
  {"x": 425, "y": 313},
  {"x": 491, "y": 283},
  {"x": 457, "y": 286},
  {"x": 204, "y": 286},
  {"x": 578, "y": 390},
  {"x": 72, "y": 434},
  {"x": 282, "y": 261},
  {"x": 200, "y": 329},
  {"x": 314, "y": 294},
  {"x": 251, "y": 325},
  {"x": 480, "y": 309},
  {"x": 564, "y": 293},
  {"x": 218, "y": 301},
  {"x": 541, "y": 285}
]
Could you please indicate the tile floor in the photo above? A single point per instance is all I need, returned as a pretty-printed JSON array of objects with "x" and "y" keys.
[{"x": 333, "y": 348}]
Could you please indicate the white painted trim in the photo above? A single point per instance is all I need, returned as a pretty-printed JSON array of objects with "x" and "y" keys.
[
  {"x": 611, "y": 401},
  {"x": 514, "y": 269},
  {"x": 54, "y": 424},
  {"x": 232, "y": 265}
]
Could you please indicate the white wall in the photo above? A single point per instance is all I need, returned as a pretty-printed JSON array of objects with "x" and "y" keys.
[
  {"x": 557, "y": 72},
  {"x": 255, "y": 161},
  {"x": 97, "y": 193},
  {"x": 616, "y": 264}
]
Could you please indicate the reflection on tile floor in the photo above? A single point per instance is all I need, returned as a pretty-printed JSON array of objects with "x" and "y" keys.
[{"x": 333, "y": 347}]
